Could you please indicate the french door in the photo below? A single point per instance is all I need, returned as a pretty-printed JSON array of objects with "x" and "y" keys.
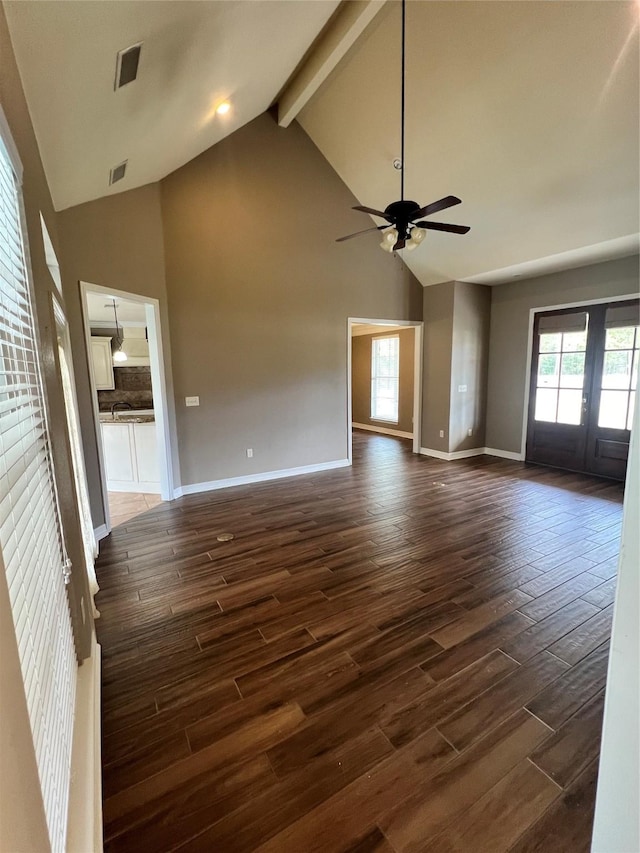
[{"x": 584, "y": 373}]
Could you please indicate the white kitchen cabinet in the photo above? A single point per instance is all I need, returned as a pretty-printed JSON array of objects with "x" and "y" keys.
[
  {"x": 102, "y": 363},
  {"x": 146, "y": 453},
  {"x": 131, "y": 456},
  {"x": 119, "y": 452}
]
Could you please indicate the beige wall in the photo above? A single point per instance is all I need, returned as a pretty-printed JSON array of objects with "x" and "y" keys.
[
  {"x": 113, "y": 242},
  {"x": 511, "y": 304},
  {"x": 436, "y": 371},
  {"x": 238, "y": 246},
  {"x": 22, "y": 820},
  {"x": 361, "y": 380},
  {"x": 469, "y": 364},
  {"x": 259, "y": 296}
]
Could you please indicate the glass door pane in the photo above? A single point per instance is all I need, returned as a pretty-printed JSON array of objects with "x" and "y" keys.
[
  {"x": 619, "y": 377},
  {"x": 560, "y": 377}
]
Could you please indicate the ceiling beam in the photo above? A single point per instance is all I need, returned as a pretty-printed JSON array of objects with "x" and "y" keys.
[{"x": 346, "y": 27}]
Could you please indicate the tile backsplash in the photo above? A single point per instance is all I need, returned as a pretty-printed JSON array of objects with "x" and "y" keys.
[{"x": 133, "y": 385}]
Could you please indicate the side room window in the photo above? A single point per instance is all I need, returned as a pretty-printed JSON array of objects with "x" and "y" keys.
[{"x": 385, "y": 378}]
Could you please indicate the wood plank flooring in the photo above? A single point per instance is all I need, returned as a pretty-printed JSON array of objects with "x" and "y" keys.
[{"x": 405, "y": 655}]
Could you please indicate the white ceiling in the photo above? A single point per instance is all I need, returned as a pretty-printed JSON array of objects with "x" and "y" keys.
[
  {"x": 528, "y": 111},
  {"x": 100, "y": 309},
  {"x": 194, "y": 55}
]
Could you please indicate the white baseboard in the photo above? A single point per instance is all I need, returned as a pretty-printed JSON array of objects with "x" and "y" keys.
[
  {"x": 84, "y": 829},
  {"x": 147, "y": 488},
  {"x": 504, "y": 454},
  {"x": 370, "y": 428},
  {"x": 436, "y": 454},
  {"x": 456, "y": 454},
  {"x": 100, "y": 532},
  {"x": 213, "y": 485},
  {"x": 467, "y": 454}
]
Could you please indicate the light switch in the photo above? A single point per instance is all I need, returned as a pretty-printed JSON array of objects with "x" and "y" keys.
[
  {"x": 462, "y": 388},
  {"x": 192, "y": 401}
]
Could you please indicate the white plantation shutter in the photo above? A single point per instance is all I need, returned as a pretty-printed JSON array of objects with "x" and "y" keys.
[{"x": 30, "y": 530}]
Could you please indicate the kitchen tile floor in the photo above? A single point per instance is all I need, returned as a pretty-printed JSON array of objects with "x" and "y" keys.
[{"x": 124, "y": 506}]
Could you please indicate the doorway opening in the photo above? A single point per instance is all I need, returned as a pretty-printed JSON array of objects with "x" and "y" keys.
[
  {"x": 384, "y": 378},
  {"x": 124, "y": 342},
  {"x": 584, "y": 373}
]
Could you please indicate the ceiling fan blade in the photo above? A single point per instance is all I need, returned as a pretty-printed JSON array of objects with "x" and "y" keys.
[
  {"x": 373, "y": 212},
  {"x": 358, "y": 233},
  {"x": 400, "y": 244},
  {"x": 435, "y": 206},
  {"x": 443, "y": 226}
]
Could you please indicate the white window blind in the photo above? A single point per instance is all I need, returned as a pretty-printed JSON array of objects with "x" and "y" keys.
[
  {"x": 30, "y": 529},
  {"x": 385, "y": 378}
]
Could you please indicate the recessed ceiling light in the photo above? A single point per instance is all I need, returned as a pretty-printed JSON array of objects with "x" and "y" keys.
[{"x": 223, "y": 108}]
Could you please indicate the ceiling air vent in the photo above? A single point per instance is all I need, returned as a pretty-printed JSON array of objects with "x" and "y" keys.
[
  {"x": 117, "y": 173},
  {"x": 127, "y": 65}
]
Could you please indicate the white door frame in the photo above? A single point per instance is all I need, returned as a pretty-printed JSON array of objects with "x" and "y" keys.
[
  {"x": 158, "y": 384},
  {"x": 418, "y": 326},
  {"x": 527, "y": 377}
]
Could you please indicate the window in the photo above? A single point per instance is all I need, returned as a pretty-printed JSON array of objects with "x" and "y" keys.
[
  {"x": 31, "y": 540},
  {"x": 561, "y": 362},
  {"x": 385, "y": 378}
]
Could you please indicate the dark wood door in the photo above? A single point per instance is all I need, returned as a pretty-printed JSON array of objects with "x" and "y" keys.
[{"x": 583, "y": 386}]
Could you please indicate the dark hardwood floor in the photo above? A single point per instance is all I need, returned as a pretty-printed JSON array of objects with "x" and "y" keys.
[{"x": 405, "y": 655}]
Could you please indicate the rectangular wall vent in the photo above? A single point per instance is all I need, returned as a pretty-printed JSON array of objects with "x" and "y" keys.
[
  {"x": 127, "y": 65},
  {"x": 117, "y": 173}
]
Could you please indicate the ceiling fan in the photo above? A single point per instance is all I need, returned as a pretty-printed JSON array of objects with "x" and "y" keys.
[{"x": 401, "y": 228}]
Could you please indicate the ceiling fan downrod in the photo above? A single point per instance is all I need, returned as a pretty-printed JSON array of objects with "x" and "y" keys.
[
  {"x": 401, "y": 229},
  {"x": 402, "y": 75}
]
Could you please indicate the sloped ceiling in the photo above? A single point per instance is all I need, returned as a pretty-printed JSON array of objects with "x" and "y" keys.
[
  {"x": 194, "y": 55},
  {"x": 528, "y": 111}
]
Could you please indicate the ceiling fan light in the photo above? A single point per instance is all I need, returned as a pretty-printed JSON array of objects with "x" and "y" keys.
[
  {"x": 410, "y": 245},
  {"x": 418, "y": 235},
  {"x": 119, "y": 355},
  {"x": 388, "y": 247},
  {"x": 390, "y": 236}
]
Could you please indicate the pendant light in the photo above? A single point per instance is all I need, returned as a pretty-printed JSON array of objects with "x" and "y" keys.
[{"x": 119, "y": 355}]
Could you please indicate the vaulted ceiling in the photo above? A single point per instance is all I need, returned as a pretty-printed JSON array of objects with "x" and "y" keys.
[
  {"x": 194, "y": 56},
  {"x": 529, "y": 111}
]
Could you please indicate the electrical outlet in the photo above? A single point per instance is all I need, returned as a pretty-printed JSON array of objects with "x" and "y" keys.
[
  {"x": 192, "y": 401},
  {"x": 470, "y": 432},
  {"x": 249, "y": 452},
  {"x": 441, "y": 433}
]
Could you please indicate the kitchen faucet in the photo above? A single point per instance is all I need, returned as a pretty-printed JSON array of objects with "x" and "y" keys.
[{"x": 119, "y": 403}]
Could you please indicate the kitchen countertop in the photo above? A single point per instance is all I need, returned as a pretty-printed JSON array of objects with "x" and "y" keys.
[{"x": 129, "y": 417}]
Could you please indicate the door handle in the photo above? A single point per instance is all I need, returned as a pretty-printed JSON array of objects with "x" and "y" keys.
[{"x": 585, "y": 406}]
